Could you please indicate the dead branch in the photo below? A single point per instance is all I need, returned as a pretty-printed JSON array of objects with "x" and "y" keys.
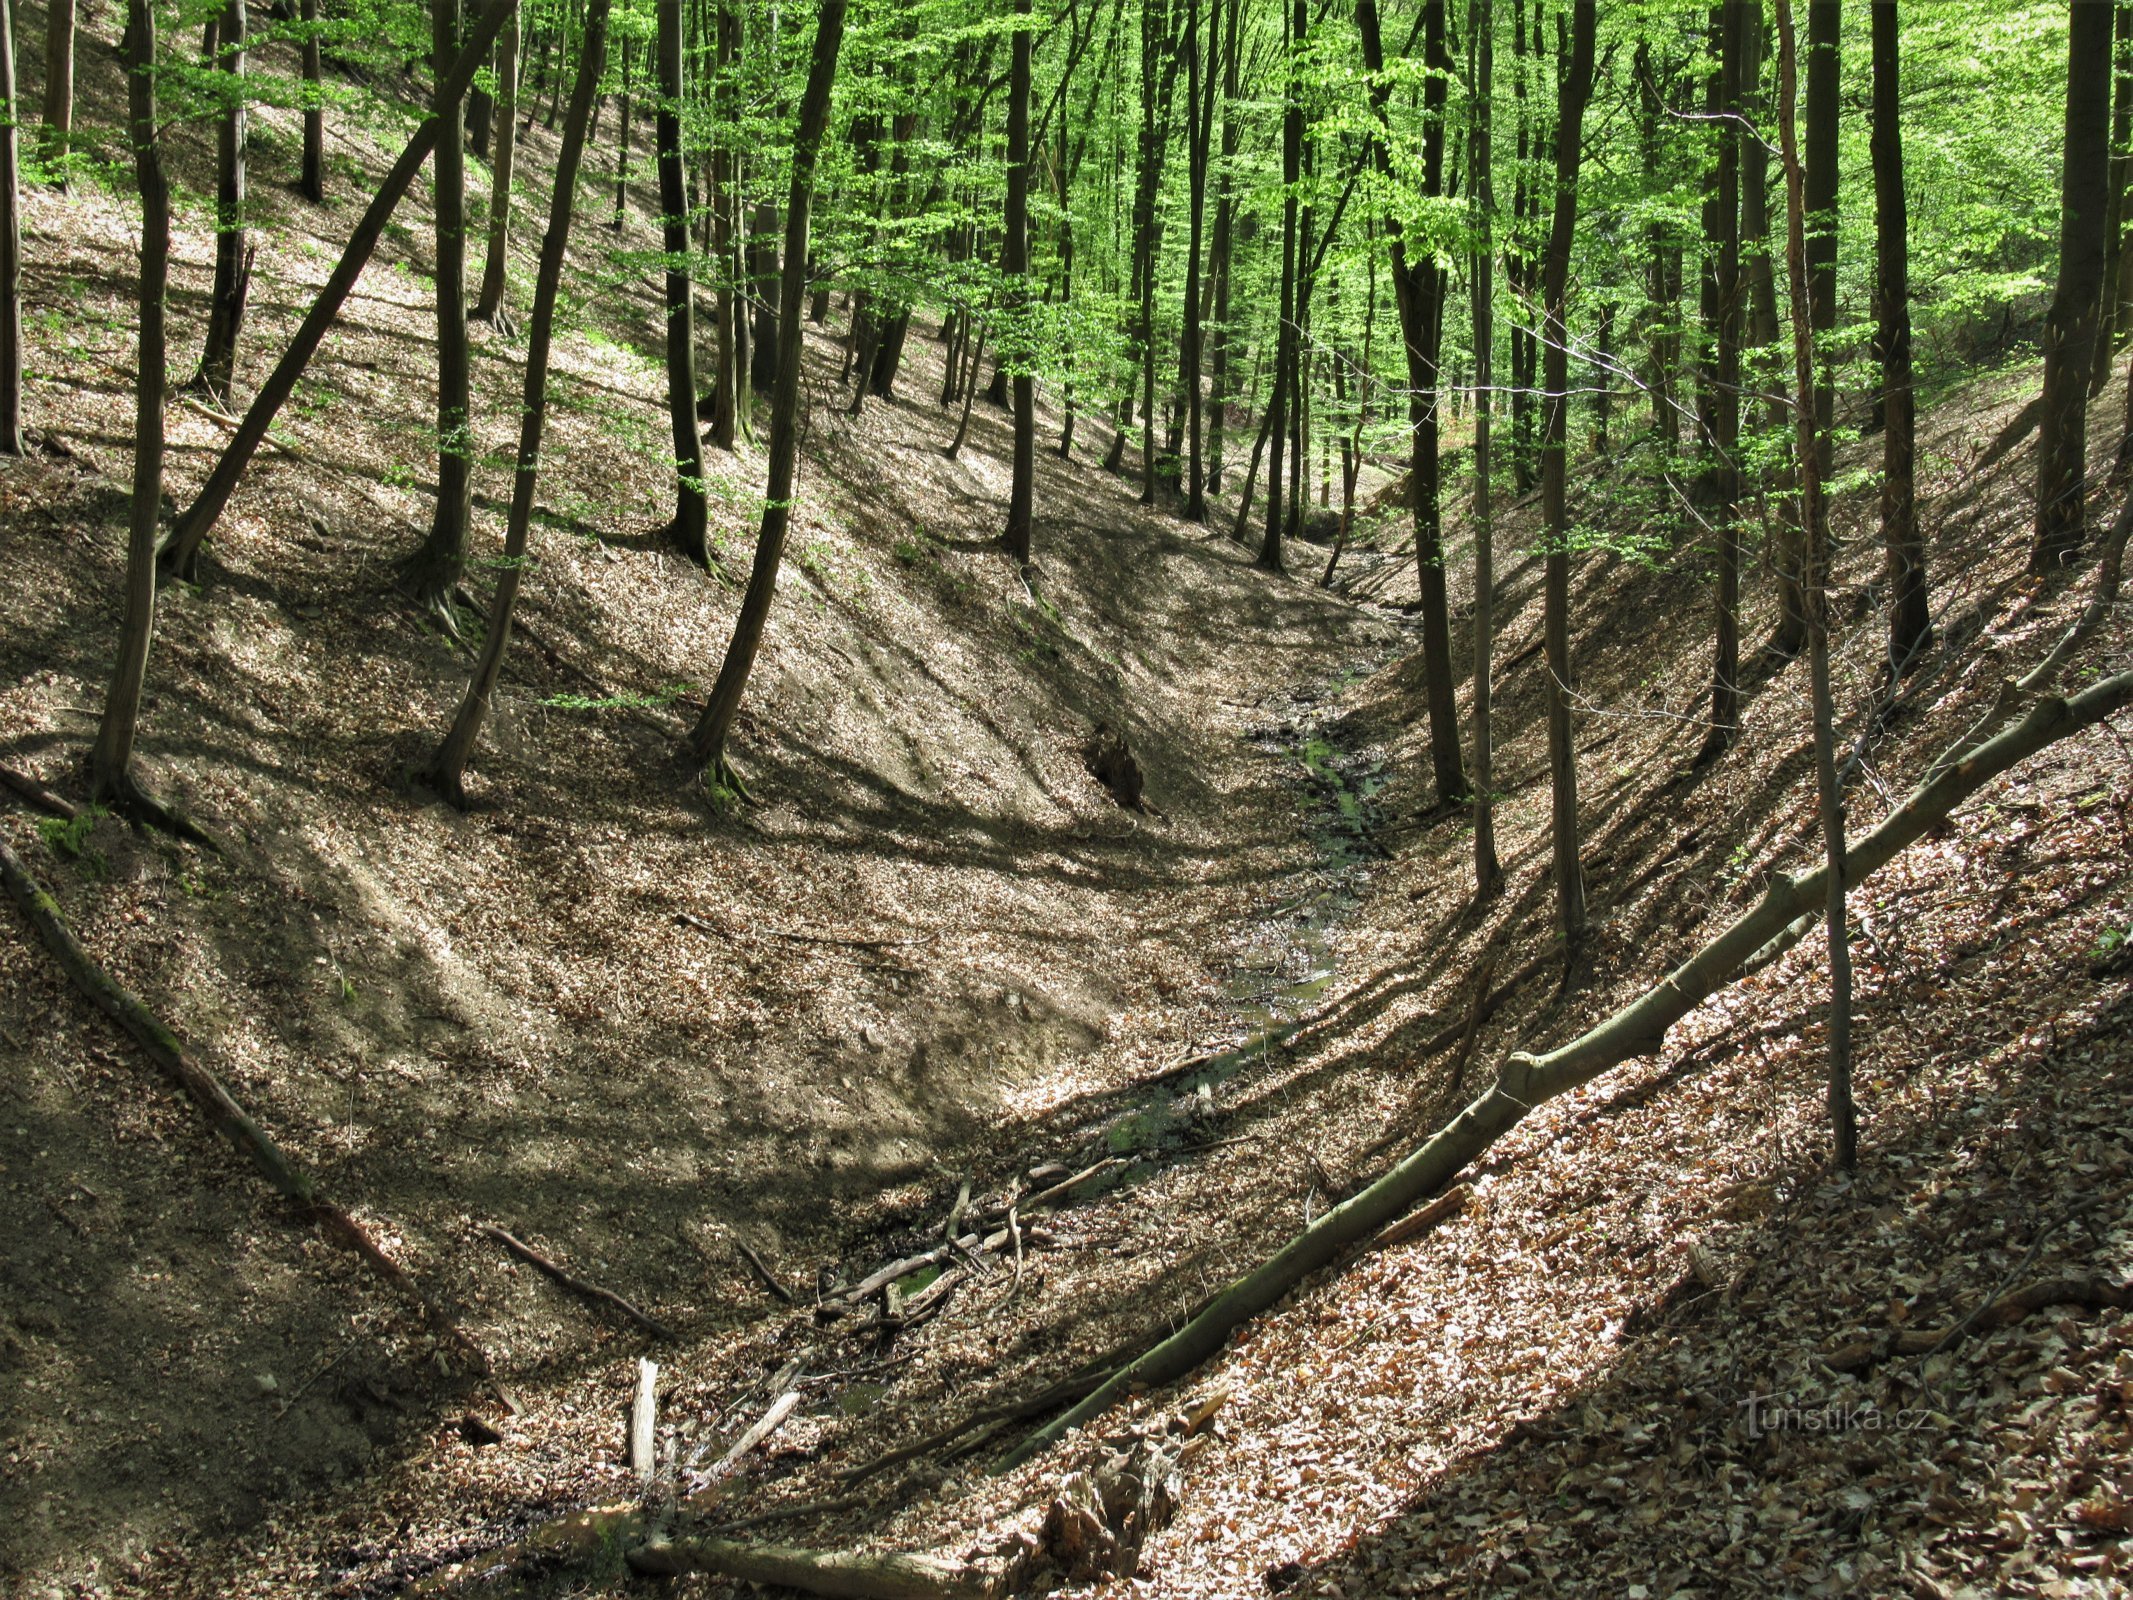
[
  {"x": 37, "y": 794},
  {"x": 1446, "y": 1204},
  {"x": 575, "y": 1284},
  {"x": 2093, "y": 1293},
  {"x": 762, "y": 1270},
  {"x": 853, "y": 1575}
]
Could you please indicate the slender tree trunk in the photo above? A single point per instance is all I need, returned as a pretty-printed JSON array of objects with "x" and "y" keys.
[
  {"x": 690, "y": 528},
  {"x": 1145, "y": 233},
  {"x": 311, "y": 178},
  {"x": 1910, "y": 628},
  {"x": 622, "y": 153},
  {"x": 489, "y": 305},
  {"x": 1481, "y": 27},
  {"x": 1219, "y": 251},
  {"x": 2070, "y": 330},
  {"x": 10, "y": 243},
  {"x": 708, "y": 739},
  {"x": 1815, "y": 514},
  {"x": 725, "y": 416},
  {"x": 1199, "y": 115},
  {"x": 970, "y": 393},
  {"x": 111, "y": 759},
  {"x": 434, "y": 571},
  {"x": 1285, "y": 339},
  {"x": 1659, "y": 243},
  {"x": 233, "y": 255},
  {"x": 1722, "y": 400},
  {"x": 1571, "y": 97},
  {"x": 1825, "y": 32},
  {"x": 769, "y": 285},
  {"x": 2118, "y": 169},
  {"x": 1015, "y": 268},
  {"x": 448, "y": 769},
  {"x": 59, "y": 83}
]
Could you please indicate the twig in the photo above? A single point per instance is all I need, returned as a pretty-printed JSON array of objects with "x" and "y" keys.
[
  {"x": 575, "y": 1284},
  {"x": 770, "y": 1279},
  {"x": 856, "y": 944}
]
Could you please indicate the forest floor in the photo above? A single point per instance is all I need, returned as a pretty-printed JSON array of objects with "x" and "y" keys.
[{"x": 640, "y": 1032}]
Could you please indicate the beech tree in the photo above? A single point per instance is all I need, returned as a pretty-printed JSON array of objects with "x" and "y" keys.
[
  {"x": 690, "y": 527},
  {"x": 10, "y": 243}
]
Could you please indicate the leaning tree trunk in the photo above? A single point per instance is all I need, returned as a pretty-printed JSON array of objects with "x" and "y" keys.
[
  {"x": 10, "y": 244},
  {"x": 181, "y": 555},
  {"x": 1575, "y": 90},
  {"x": 448, "y": 769},
  {"x": 434, "y": 570},
  {"x": 690, "y": 528},
  {"x": 1910, "y": 628},
  {"x": 233, "y": 256},
  {"x": 489, "y": 305},
  {"x": 311, "y": 177},
  {"x": 1014, "y": 266},
  {"x": 1481, "y": 29},
  {"x": 1814, "y": 514},
  {"x": 59, "y": 83},
  {"x": 2070, "y": 330},
  {"x": 708, "y": 739},
  {"x": 111, "y": 758}
]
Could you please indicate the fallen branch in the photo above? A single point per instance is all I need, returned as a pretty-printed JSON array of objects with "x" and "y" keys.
[
  {"x": 853, "y": 944},
  {"x": 576, "y": 1285},
  {"x": 2092, "y": 1293},
  {"x": 37, "y": 794},
  {"x": 1525, "y": 1080},
  {"x": 1446, "y": 1204},
  {"x": 762, "y": 1270},
  {"x": 230, "y": 1119},
  {"x": 853, "y": 1575}
]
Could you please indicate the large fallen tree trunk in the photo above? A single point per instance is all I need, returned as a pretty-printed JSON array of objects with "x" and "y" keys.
[
  {"x": 852, "y": 1575},
  {"x": 1638, "y": 1029}
]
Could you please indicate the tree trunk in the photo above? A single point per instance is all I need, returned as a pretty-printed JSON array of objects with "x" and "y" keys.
[
  {"x": 311, "y": 177},
  {"x": 2120, "y": 165},
  {"x": 725, "y": 415},
  {"x": 1481, "y": 28},
  {"x": 1825, "y": 32},
  {"x": 1198, "y": 124},
  {"x": 448, "y": 769},
  {"x": 690, "y": 528},
  {"x": 1722, "y": 398},
  {"x": 10, "y": 244},
  {"x": 1809, "y": 449},
  {"x": 1219, "y": 251},
  {"x": 2070, "y": 330},
  {"x": 435, "y": 570},
  {"x": 489, "y": 306},
  {"x": 764, "y": 275},
  {"x": 181, "y": 555},
  {"x": 59, "y": 84},
  {"x": 1285, "y": 336},
  {"x": 233, "y": 256},
  {"x": 1014, "y": 265},
  {"x": 1910, "y": 628},
  {"x": 1571, "y": 96},
  {"x": 708, "y": 739},
  {"x": 111, "y": 758},
  {"x": 622, "y": 153}
]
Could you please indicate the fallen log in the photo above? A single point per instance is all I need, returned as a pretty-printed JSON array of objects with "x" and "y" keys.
[
  {"x": 851, "y": 1575},
  {"x": 644, "y": 1422},
  {"x": 231, "y": 1120},
  {"x": 1526, "y": 1080}
]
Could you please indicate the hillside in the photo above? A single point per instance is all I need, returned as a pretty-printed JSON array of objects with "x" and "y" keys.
[{"x": 688, "y": 1049}]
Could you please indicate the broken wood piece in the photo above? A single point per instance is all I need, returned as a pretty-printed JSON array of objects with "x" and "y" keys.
[
  {"x": 1058, "y": 1191},
  {"x": 1452, "y": 1200},
  {"x": 762, "y": 1270},
  {"x": 874, "y": 1282},
  {"x": 762, "y": 1428},
  {"x": 955, "y": 1212},
  {"x": 644, "y": 1422},
  {"x": 843, "y": 1574},
  {"x": 37, "y": 794},
  {"x": 575, "y": 1284}
]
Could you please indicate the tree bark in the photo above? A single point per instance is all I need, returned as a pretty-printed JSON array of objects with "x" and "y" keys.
[
  {"x": 690, "y": 528},
  {"x": 1285, "y": 338},
  {"x": 233, "y": 256},
  {"x": 1722, "y": 400},
  {"x": 622, "y": 153},
  {"x": 708, "y": 739},
  {"x": 1814, "y": 508},
  {"x": 59, "y": 84},
  {"x": 489, "y": 304},
  {"x": 1910, "y": 626},
  {"x": 436, "y": 569},
  {"x": 1825, "y": 32},
  {"x": 2070, "y": 330},
  {"x": 1014, "y": 265},
  {"x": 448, "y": 768},
  {"x": 1481, "y": 28},
  {"x": 181, "y": 554},
  {"x": 111, "y": 758},
  {"x": 10, "y": 244},
  {"x": 311, "y": 177},
  {"x": 1571, "y": 97}
]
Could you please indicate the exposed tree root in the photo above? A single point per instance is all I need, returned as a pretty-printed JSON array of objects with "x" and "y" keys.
[
  {"x": 124, "y": 794},
  {"x": 228, "y": 1117}
]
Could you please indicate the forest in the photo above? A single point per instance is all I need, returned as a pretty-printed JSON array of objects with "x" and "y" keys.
[{"x": 1001, "y": 797}]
